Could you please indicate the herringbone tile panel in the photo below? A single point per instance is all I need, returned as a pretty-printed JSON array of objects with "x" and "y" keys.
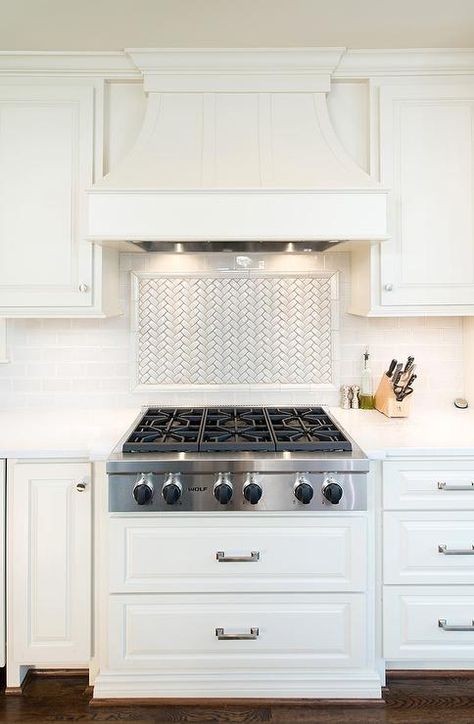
[{"x": 225, "y": 330}]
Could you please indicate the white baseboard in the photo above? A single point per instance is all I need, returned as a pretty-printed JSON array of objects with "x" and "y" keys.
[{"x": 271, "y": 685}]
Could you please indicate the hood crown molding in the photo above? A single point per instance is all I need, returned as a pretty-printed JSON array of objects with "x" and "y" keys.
[{"x": 236, "y": 70}]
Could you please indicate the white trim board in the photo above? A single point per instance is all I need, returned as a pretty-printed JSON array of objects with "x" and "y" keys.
[{"x": 3, "y": 341}]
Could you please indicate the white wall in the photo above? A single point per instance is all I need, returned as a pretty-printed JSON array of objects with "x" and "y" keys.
[
  {"x": 86, "y": 363},
  {"x": 118, "y": 24}
]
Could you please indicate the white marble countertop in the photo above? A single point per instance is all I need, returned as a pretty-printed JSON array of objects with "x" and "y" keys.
[
  {"x": 93, "y": 433},
  {"x": 446, "y": 431},
  {"x": 63, "y": 433}
]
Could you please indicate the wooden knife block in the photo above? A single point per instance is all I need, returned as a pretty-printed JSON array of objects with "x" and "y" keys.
[{"x": 387, "y": 403}]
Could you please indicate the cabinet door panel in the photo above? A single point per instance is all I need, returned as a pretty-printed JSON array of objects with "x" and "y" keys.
[
  {"x": 428, "y": 484},
  {"x": 418, "y": 623},
  {"x": 321, "y": 554},
  {"x": 180, "y": 632},
  {"x": 46, "y": 162},
  {"x": 427, "y": 159},
  {"x": 50, "y": 563},
  {"x": 2, "y": 563},
  {"x": 412, "y": 542}
]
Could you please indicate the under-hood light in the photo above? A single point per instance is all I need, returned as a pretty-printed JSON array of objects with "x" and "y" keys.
[{"x": 232, "y": 247}]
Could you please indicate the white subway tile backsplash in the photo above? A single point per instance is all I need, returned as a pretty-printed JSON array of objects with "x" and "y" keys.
[
  {"x": 71, "y": 370},
  {"x": 86, "y": 363},
  {"x": 58, "y": 385}
]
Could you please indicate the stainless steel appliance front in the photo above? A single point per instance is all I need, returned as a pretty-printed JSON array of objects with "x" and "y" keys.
[{"x": 197, "y": 492}]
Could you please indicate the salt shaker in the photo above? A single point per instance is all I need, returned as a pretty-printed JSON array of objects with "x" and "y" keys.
[
  {"x": 346, "y": 397},
  {"x": 355, "y": 397}
]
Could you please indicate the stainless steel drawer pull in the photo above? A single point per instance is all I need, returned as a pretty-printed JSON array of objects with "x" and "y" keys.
[
  {"x": 444, "y": 486},
  {"x": 222, "y": 636},
  {"x": 442, "y": 623},
  {"x": 443, "y": 548},
  {"x": 222, "y": 558}
]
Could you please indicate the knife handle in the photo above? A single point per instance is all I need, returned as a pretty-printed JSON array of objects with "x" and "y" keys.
[
  {"x": 396, "y": 379},
  {"x": 391, "y": 368},
  {"x": 409, "y": 363}
]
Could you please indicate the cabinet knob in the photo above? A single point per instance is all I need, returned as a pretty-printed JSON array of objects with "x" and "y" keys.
[
  {"x": 388, "y": 287},
  {"x": 80, "y": 487},
  {"x": 83, "y": 287}
]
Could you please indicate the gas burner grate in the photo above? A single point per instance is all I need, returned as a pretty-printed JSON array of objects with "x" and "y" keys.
[
  {"x": 167, "y": 430},
  {"x": 234, "y": 429},
  {"x": 306, "y": 428}
]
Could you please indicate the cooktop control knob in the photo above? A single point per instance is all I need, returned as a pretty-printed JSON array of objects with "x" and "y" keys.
[
  {"x": 172, "y": 489},
  {"x": 143, "y": 489},
  {"x": 223, "y": 488},
  {"x": 332, "y": 491},
  {"x": 252, "y": 490},
  {"x": 303, "y": 489}
]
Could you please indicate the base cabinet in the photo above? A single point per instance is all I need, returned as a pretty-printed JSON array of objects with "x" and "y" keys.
[
  {"x": 49, "y": 566},
  {"x": 2, "y": 562},
  {"x": 289, "y": 616},
  {"x": 428, "y": 562}
]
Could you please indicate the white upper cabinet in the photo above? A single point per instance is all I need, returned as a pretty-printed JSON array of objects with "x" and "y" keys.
[
  {"x": 47, "y": 140},
  {"x": 426, "y": 157}
]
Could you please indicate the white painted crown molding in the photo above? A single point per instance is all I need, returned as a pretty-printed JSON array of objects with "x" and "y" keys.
[
  {"x": 103, "y": 64},
  {"x": 340, "y": 63},
  {"x": 405, "y": 61}
]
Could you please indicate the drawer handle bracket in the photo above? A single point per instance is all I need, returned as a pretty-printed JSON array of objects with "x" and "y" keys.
[
  {"x": 443, "y": 548},
  {"x": 252, "y": 558},
  {"x": 222, "y": 636},
  {"x": 442, "y": 623},
  {"x": 444, "y": 486}
]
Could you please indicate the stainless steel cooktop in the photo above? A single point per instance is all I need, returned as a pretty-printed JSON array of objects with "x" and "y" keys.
[{"x": 236, "y": 459}]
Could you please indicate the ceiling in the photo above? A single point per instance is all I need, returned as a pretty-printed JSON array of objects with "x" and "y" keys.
[{"x": 116, "y": 24}]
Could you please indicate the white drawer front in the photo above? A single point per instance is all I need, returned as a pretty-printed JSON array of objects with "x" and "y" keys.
[
  {"x": 176, "y": 632},
  {"x": 411, "y": 623},
  {"x": 412, "y": 543},
  {"x": 428, "y": 485},
  {"x": 313, "y": 554}
]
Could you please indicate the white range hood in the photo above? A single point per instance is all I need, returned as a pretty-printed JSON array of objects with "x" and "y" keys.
[{"x": 237, "y": 145}]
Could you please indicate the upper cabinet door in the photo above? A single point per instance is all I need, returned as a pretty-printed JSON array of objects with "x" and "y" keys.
[
  {"x": 427, "y": 159},
  {"x": 46, "y": 162}
]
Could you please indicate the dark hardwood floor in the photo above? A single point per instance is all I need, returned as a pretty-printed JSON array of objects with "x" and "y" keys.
[{"x": 447, "y": 699}]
